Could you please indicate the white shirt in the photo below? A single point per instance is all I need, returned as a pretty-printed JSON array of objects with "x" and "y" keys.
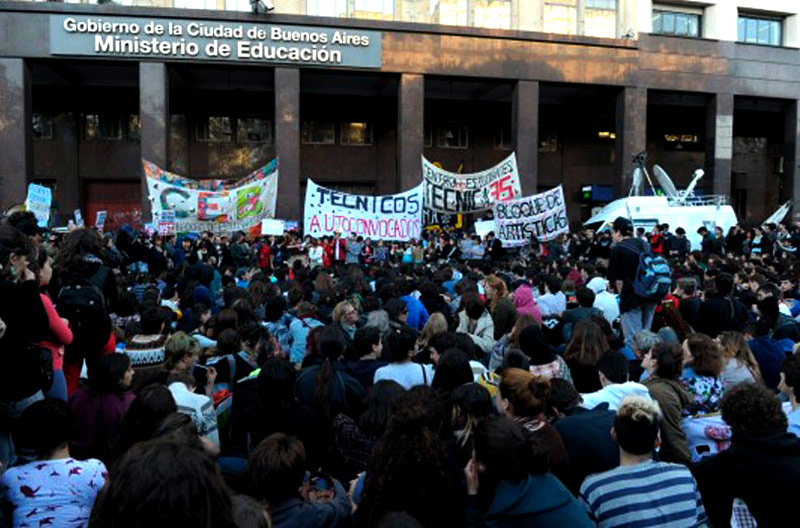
[
  {"x": 613, "y": 395},
  {"x": 315, "y": 255},
  {"x": 607, "y": 303},
  {"x": 552, "y": 303},
  {"x": 200, "y": 408},
  {"x": 407, "y": 374}
]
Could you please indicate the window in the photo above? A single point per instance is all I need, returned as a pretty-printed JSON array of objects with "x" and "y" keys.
[
  {"x": 760, "y": 30},
  {"x": 253, "y": 130},
  {"x": 683, "y": 140},
  {"x": 196, "y": 4},
  {"x": 133, "y": 127},
  {"x": 561, "y": 16},
  {"x": 548, "y": 142},
  {"x": 452, "y": 135},
  {"x": 502, "y": 138},
  {"x": 238, "y": 5},
  {"x": 600, "y": 18},
  {"x": 330, "y": 8},
  {"x": 215, "y": 129},
  {"x": 357, "y": 133},
  {"x": 102, "y": 126},
  {"x": 318, "y": 133},
  {"x": 374, "y": 9},
  {"x": 676, "y": 23},
  {"x": 42, "y": 125},
  {"x": 453, "y": 12},
  {"x": 493, "y": 14}
]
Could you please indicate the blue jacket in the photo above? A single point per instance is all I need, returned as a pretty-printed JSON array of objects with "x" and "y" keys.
[
  {"x": 770, "y": 356},
  {"x": 298, "y": 331},
  {"x": 417, "y": 313},
  {"x": 538, "y": 500},
  {"x": 297, "y": 513}
]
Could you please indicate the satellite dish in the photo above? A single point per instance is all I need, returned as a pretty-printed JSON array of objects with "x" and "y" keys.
[
  {"x": 690, "y": 189},
  {"x": 636, "y": 188},
  {"x": 666, "y": 183}
]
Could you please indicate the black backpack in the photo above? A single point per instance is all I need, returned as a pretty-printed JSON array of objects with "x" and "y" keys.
[{"x": 82, "y": 303}]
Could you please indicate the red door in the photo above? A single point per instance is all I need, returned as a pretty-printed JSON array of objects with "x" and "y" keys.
[{"x": 120, "y": 199}]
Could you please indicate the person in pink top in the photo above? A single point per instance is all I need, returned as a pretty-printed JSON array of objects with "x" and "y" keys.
[
  {"x": 60, "y": 333},
  {"x": 526, "y": 304}
]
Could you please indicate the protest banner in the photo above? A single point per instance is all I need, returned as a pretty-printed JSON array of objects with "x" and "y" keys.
[
  {"x": 270, "y": 226},
  {"x": 218, "y": 206},
  {"x": 484, "y": 227},
  {"x": 388, "y": 217},
  {"x": 166, "y": 223},
  {"x": 100, "y": 219},
  {"x": 542, "y": 215},
  {"x": 450, "y": 192},
  {"x": 38, "y": 201}
]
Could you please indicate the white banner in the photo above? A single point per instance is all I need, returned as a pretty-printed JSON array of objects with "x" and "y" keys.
[
  {"x": 542, "y": 215},
  {"x": 38, "y": 201},
  {"x": 210, "y": 205},
  {"x": 450, "y": 192},
  {"x": 389, "y": 217}
]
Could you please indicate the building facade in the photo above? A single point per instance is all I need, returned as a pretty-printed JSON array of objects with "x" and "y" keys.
[{"x": 350, "y": 93}]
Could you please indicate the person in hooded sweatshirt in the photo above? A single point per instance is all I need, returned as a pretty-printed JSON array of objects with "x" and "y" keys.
[
  {"x": 508, "y": 485},
  {"x": 604, "y": 300},
  {"x": 613, "y": 373},
  {"x": 762, "y": 465},
  {"x": 526, "y": 304}
]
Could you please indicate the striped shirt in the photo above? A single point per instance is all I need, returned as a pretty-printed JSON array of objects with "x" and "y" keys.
[{"x": 645, "y": 495}]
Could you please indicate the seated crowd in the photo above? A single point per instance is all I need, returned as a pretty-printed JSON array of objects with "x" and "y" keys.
[{"x": 207, "y": 380}]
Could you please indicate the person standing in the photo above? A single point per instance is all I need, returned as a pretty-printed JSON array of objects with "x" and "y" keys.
[{"x": 636, "y": 314}]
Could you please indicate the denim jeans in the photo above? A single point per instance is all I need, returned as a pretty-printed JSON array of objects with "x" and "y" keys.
[
  {"x": 9, "y": 416},
  {"x": 636, "y": 320}
]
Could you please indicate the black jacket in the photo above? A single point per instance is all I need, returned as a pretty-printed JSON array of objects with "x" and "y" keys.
[
  {"x": 719, "y": 314},
  {"x": 763, "y": 469}
]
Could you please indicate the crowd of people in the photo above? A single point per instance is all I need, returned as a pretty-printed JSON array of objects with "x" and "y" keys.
[{"x": 618, "y": 378}]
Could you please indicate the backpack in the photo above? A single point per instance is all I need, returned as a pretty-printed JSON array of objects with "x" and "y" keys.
[
  {"x": 653, "y": 279},
  {"x": 82, "y": 303}
]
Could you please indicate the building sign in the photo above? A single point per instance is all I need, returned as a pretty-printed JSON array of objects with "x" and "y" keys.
[
  {"x": 162, "y": 38},
  {"x": 542, "y": 215},
  {"x": 450, "y": 192},
  {"x": 388, "y": 217}
]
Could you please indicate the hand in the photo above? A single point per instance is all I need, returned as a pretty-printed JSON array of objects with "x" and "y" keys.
[
  {"x": 211, "y": 376},
  {"x": 471, "y": 475},
  {"x": 26, "y": 274}
]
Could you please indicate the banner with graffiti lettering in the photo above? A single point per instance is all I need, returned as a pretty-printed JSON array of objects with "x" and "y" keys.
[
  {"x": 219, "y": 206},
  {"x": 388, "y": 217},
  {"x": 542, "y": 215},
  {"x": 450, "y": 192}
]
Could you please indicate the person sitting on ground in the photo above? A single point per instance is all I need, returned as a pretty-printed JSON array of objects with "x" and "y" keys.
[
  {"x": 740, "y": 365},
  {"x": 146, "y": 349},
  {"x": 55, "y": 486},
  {"x": 664, "y": 364},
  {"x": 585, "y": 433},
  {"x": 152, "y": 404},
  {"x": 526, "y": 304},
  {"x": 500, "y": 306},
  {"x": 402, "y": 348},
  {"x": 583, "y": 351},
  {"x": 702, "y": 377},
  {"x": 721, "y": 311},
  {"x": 476, "y": 321},
  {"x": 604, "y": 300},
  {"x": 641, "y": 491},
  {"x": 368, "y": 346},
  {"x": 543, "y": 359},
  {"x": 790, "y": 388},
  {"x": 585, "y": 310},
  {"x": 298, "y": 329},
  {"x": 510, "y": 341},
  {"x": 276, "y": 471},
  {"x": 762, "y": 465},
  {"x": 613, "y": 373},
  {"x": 508, "y": 483},
  {"x": 553, "y": 302},
  {"x": 768, "y": 352},
  {"x": 198, "y": 406}
]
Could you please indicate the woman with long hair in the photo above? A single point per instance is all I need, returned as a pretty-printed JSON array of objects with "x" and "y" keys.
[
  {"x": 523, "y": 397},
  {"x": 510, "y": 341},
  {"x": 705, "y": 361},
  {"x": 100, "y": 407},
  {"x": 500, "y": 306},
  {"x": 583, "y": 351},
  {"x": 152, "y": 404},
  {"x": 471, "y": 404},
  {"x": 740, "y": 364},
  {"x": 436, "y": 325}
]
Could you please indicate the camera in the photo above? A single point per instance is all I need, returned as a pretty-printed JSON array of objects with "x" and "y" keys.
[{"x": 261, "y": 6}]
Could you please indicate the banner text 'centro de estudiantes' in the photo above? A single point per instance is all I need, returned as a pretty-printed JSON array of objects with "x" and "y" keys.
[
  {"x": 388, "y": 217},
  {"x": 450, "y": 192},
  {"x": 542, "y": 215},
  {"x": 218, "y": 206}
]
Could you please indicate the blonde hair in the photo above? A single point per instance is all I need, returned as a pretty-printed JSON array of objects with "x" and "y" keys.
[
  {"x": 734, "y": 346},
  {"x": 436, "y": 325},
  {"x": 639, "y": 409},
  {"x": 500, "y": 289},
  {"x": 179, "y": 345},
  {"x": 340, "y": 311}
]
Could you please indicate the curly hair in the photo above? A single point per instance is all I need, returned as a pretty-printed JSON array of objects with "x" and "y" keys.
[
  {"x": 752, "y": 407},
  {"x": 76, "y": 246}
]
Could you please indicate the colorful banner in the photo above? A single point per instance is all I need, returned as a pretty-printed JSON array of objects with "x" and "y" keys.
[
  {"x": 38, "y": 201},
  {"x": 389, "y": 217},
  {"x": 450, "y": 192},
  {"x": 542, "y": 215},
  {"x": 213, "y": 205}
]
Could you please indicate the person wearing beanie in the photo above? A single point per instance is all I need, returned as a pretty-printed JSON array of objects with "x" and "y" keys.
[{"x": 543, "y": 360}]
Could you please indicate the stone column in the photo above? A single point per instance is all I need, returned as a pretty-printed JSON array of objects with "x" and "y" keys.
[
  {"x": 631, "y": 131},
  {"x": 719, "y": 142},
  {"x": 410, "y": 129},
  {"x": 16, "y": 135},
  {"x": 287, "y": 142},
  {"x": 154, "y": 119},
  {"x": 525, "y": 132}
]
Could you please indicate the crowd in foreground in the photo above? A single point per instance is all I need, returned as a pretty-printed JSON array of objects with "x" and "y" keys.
[{"x": 599, "y": 379}]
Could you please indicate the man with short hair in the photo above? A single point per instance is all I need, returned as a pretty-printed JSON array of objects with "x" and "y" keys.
[
  {"x": 636, "y": 314},
  {"x": 721, "y": 311},
  {"x": 585, "y": 310},
  {"x": 613, "y": 373},
  {"x": 367, "y": 345},
  {"x": 494, "y": 246},
  {"x": 762, "y": 465},
  {"x": 642, "y": 492}
]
